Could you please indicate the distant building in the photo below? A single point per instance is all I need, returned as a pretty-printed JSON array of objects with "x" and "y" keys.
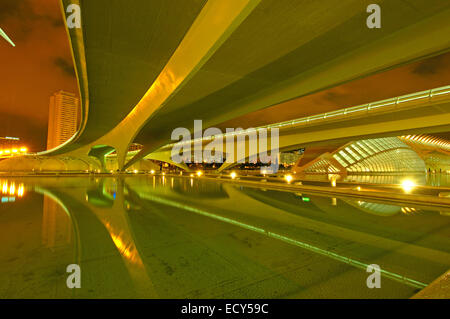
[
  {"x": 62, "y": 118},
  {"x": 10, "y": 146},
  {"x": 8, "y": 142}
]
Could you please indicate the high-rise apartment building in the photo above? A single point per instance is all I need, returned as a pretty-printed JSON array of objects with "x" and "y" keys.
[{"x": 62, "y": 118}]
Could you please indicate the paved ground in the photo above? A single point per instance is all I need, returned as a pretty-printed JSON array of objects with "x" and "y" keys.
[{"x": 438, "y": 289}]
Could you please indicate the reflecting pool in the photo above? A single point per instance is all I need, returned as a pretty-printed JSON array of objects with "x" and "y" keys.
[{"x": 179, "y": 237}]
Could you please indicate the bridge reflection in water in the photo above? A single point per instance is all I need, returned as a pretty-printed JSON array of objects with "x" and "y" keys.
[{"x": 170, "y": 237}]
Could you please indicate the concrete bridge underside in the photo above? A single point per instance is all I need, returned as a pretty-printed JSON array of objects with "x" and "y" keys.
[
  {"x": 416, "y": 117},
  {"x": 145, "y": 69}
]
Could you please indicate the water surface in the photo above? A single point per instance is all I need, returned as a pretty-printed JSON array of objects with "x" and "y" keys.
[{"x": 170, "y": 237}]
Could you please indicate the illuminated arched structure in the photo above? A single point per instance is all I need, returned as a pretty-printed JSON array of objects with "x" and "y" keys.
[
  {"x": 380, "y": 155},
  {"x": 427, "y": 142},
  {"x": 435, "y": 151}
]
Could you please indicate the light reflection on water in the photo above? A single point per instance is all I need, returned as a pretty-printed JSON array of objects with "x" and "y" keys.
[
  {"x": 9, "y": 191},
  {"x": 419, "y": 179},
  {"x": 170, "y": 237},
  {"x": 438, "y": 179}
]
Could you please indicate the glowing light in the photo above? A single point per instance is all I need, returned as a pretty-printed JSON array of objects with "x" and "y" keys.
[
  {"x": 7, "y": 151},
  {"x": 288, "y": 178},
  {"x": 135, "y": 171},
  {"x": 199, "y": 173},
  {"x": 333, "y": 182},
  {"x": 23, "y": 149},
  {"x": 5, "y": 188},
  {"x": 152, "y": 171},
  {"x": 15, "y": 150},
  {"x": 12, "y": 189},
  {"x": 191, "y": 175},
  {"x": 408, "y": 185},
  {"x": 20, "y": 191},
  {"x": 233, "y": 175}
]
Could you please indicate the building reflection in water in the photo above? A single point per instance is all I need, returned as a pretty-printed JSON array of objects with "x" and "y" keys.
[
  {"x": 56, "y": 225},
  {"x": 409, "y": 210},
  {"x": 382, "y": 209}
]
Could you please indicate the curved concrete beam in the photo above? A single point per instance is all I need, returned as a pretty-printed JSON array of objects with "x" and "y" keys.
[
  {"x": 164, "y": 156},
  {"x": 415, "y": 40},
  {"x": 402, "y": 121},
  {"x": 206, "y": 35},
  {"x": 410, "y": 40},
  {"x": 423, "y": 39}
]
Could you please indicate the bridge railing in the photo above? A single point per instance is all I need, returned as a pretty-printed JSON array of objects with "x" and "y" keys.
[{"x": 405, "y": 101}]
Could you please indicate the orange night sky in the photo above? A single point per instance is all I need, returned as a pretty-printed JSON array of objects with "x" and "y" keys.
[
  {"x": 38, "y": 66},
  {"x": 414, "y": 77}
]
